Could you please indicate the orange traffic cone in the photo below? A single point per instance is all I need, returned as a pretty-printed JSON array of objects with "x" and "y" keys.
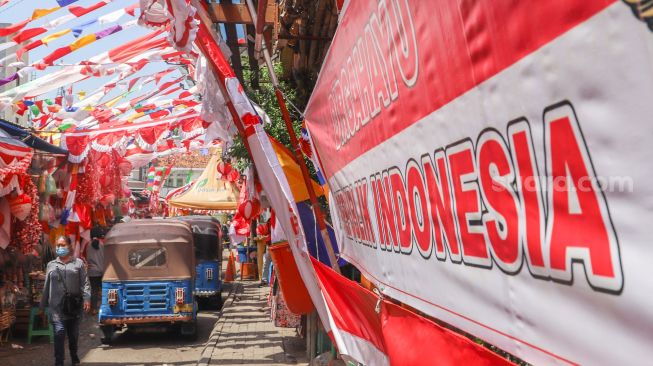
[{"x": 231, "y": 268}]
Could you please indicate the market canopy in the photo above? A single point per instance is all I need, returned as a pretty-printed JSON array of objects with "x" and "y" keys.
[
  {"x": 29, "y": 139},
  {"x": 209, "y": 192}
]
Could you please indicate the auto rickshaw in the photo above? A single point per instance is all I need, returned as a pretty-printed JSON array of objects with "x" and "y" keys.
[
  {"x": 148, "y": 279},
  {"x": 208, "y": 257}
]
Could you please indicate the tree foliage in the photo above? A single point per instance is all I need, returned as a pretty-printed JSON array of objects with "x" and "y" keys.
[{"x": 266, "y": 99}]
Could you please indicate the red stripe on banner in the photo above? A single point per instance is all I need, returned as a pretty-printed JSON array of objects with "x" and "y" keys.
[
  {"x": 368, "y": 273},
  {"x": 353, "y": 310},
  {"x": 422, "y": 334},
  {"x": 458, "y": 45},
  {"x": 351, "y": 306}
]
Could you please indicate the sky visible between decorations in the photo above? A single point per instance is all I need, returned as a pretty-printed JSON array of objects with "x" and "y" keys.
[{"x": 18, "y": 10}]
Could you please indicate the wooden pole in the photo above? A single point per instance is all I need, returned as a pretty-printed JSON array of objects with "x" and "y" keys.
[
  {"x": 319, "y": 216},
  {"x": 260, "y": 24}
]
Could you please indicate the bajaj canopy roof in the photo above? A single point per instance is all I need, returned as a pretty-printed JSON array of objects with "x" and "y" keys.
[
  {"x": 206, "y": 234},
  {"x": 149, "y": 250}
]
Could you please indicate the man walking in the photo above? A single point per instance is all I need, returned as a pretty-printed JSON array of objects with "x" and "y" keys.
[{"x": 66, "y": 289}]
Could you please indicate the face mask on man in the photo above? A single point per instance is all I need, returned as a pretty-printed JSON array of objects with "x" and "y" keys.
[{"x": 62, "y": 251}]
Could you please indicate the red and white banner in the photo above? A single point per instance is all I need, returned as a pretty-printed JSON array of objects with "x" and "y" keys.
[{"x": 488, "y": 163}]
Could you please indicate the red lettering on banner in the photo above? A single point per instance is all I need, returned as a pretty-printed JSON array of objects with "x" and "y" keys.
[
  {"x": 466, "y": 203},
  {"x": 578, "y": 225},
  {"x": 485, "y": 204},
  {"x": 353, "y": 208},
  {"x": 402, "y": 213},
  {"x": 344, "y": 213},
  {"x": 366, "y": 222},
  {"x": 444, "y": 227},
  {"x": 530, "y": 195},
  {"x": 419, "y": 211},
  {"x": 384, "y": 213},
  {"x": 377, "y": 69},
  {"x": 367, "y": 80},
  {"x": 496, "y": 176},
  {"x": 406, "y": 50}
]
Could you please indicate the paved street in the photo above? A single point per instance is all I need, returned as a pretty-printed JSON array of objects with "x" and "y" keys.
[
  {"x": 245, "y": 335},
  {"x": 154, "y": 347}
]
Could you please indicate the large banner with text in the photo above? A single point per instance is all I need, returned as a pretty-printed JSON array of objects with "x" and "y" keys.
[{"x": 489, "y": 163}]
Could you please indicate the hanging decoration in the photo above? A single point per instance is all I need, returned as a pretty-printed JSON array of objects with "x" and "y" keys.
[
  {"x": 250, "y": 208},
  {"x": 20, "y": 205},
  {"x": 5, "y": 223},
  {"x": 26, "y": 233}
]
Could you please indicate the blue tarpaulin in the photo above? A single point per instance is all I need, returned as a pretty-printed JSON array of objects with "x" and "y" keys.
[
  {"x": 314, "y": 241},
  {"x": 29, "y": 139}
]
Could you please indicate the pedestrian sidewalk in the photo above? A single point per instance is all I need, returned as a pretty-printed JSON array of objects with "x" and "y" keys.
[{"x": 244, "y": 334}]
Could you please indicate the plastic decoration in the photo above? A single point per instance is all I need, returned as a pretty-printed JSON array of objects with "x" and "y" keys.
[
  {"x": 250, "y": 208},
  {"x": 224, "y": 168}
]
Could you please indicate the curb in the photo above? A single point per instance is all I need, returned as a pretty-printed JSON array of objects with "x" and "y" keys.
[{"x": 214, "y": 337}]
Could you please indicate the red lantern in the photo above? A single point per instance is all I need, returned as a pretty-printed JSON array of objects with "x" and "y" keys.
[
  {"x": 249, "y": 209},
  {"x": 263, "y": 229},
  {"x": 233, "y": 176},
  {"x": 224, "y": 168},
  {"x": 20, "y": 206}
]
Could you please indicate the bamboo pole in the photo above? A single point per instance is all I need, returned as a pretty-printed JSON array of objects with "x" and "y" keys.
[{"x": 319, "y": 216}]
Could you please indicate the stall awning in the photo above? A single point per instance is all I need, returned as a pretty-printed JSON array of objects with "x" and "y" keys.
[
  {"x": 29, "y": 139},
  {"x": 209, "y": 192}
]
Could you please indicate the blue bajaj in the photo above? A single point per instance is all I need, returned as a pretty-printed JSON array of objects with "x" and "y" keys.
[
  {"x": 207, "y": 236},
  {"x": 148, "y": 277}
]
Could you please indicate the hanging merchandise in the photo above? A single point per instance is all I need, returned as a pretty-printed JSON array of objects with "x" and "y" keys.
[
  {"x": 233, "y": 176},
  {"x": 26, "y": 233},
  {"x": 50, "y": 185},
  {"x": 20, "y": 205},
  {"x": 224, "y": 168},
  {"x": 5, "y": 224},
  {"x": 250, "y": 208},
  {"x": 88, "y": 190}
]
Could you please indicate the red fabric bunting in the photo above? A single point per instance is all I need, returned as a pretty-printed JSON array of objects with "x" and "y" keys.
[
  {"x": 149, "y": 136},
  {"x": 26, "y": 34},
  {"x": 29, "y": 47},
  {"x": 14, "y": 28},
  {"x": 77, "y": 146},
  {"x": 78, "y": 11},
  {"x": 137, "y": 46},
  {"x": 159, "y": 114},
  {"x": 57, "y": 54}
]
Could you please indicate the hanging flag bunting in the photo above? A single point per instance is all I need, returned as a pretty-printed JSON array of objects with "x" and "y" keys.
[
  {"x": 13, "y": 28},
  {"x": 38, "y": 13},
  {"x": 151, "y": 174},
  {"x": 184, "y": 28},
  {"x": 84, "y": 41},
  {"x": 143, "y": 48}
]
